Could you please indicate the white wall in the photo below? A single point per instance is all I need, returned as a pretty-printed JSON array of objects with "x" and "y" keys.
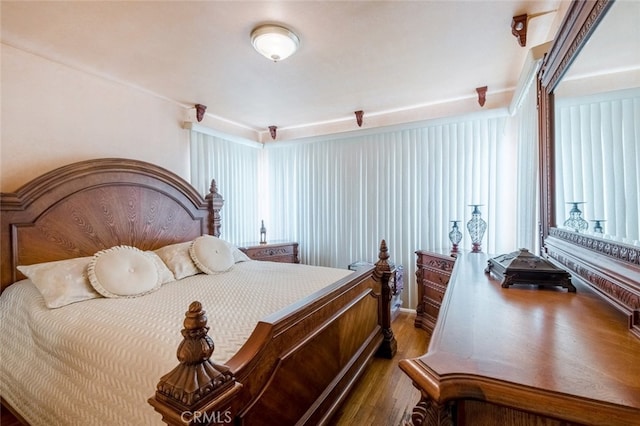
[{"x": 53, "y": 115}]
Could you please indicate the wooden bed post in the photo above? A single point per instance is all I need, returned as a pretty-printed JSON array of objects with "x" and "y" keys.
[
  {"x": 214, "y": 203},
  {"x": 184, "y": 394},
  {"x": 382, "y": 273}
]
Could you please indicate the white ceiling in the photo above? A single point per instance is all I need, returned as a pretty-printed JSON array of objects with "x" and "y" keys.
[{"x": 397, "y": 61}]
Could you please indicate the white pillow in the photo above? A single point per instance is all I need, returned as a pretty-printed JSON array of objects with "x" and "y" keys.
[
  {"x": 61, "y": 282},
  {"x": 238, "y": 255},
  {"x": 166, "y": 276},
  {"x": 178, "y": 260},
  {"x": 123, "y": 271},
  {"x": 211, "y": 255}
]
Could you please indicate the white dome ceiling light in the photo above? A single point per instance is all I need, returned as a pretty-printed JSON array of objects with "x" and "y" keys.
[{"x": 274, "y": 42}]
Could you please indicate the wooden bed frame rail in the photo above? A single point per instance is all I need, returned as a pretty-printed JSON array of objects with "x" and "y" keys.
[{"x": 306, "y": 359}]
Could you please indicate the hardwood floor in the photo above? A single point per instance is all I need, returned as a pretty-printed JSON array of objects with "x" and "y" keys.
[{"x": 384, "y": 395}]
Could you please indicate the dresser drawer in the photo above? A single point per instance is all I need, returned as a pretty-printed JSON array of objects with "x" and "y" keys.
[
  {"x": 436, "y": 277},
  {"x": 432, "y": 309},
  {"x": 442, "y": 264},
  {"x": 433, "y": 292}
]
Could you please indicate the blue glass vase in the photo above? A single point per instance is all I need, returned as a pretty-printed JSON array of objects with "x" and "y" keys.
[
  {"x": 455, "y": 236},
  {"x": 597, "y": 226},
  {"x": 476, "y": 227},
  {"x": 575, "y": 221}
]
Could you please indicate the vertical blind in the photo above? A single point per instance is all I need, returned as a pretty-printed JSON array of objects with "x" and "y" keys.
[
  {"x": 598, "y": 150},
  {"x": 237, "y": 170},
  {"x": 338, "y": 198},
  {"x": 527, "y": 212}
]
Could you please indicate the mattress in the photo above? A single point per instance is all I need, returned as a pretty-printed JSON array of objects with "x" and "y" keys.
[{"x": 97, "y": 362}]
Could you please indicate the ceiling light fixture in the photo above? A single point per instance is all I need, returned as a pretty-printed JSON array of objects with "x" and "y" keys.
[{"x": 274, "y": 42}]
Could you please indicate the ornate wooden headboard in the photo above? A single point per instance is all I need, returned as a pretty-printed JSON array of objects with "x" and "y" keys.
[{"x": 84, "y": 207}]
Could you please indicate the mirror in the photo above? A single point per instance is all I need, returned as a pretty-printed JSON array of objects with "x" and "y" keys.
[
  {"x": 597, "y": 139},
  {"x": 608, "y": 266}
]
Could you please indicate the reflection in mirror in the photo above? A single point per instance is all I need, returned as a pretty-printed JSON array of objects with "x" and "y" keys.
[{"x": 597, "y": 131}]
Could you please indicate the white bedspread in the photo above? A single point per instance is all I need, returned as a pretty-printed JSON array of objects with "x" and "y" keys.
[{"x": 97, "y": 362}]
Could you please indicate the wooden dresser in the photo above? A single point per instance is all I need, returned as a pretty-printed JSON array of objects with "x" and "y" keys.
[
  {"x": 433, "y": 270},
  {"x": 525, "y": 356},
  {"x": 285, "y": 252}
]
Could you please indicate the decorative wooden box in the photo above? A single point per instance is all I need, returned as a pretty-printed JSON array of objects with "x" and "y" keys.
[{"x": 523, "y": 267}]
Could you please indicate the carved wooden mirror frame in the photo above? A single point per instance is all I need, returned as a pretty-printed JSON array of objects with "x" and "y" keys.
[{"x": 611, "y": 268}]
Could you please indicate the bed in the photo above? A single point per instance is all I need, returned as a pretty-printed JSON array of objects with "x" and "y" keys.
[{"x": 256, "y": 343}]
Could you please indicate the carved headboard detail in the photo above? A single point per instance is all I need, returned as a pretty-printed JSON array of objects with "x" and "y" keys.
[{"x": 79, "y": 209}]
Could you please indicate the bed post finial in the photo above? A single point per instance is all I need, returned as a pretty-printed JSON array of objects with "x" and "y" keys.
[
  {"x": 382, "y": 265},
  {"x": 214, "y": 203},
  {"x": 197, "y": 380},
  {"x": 195, "y": 330},
  {"x": 382, "y": 273}
]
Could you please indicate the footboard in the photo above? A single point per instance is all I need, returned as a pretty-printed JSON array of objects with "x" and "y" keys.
[{"x": 296, "y": 367}]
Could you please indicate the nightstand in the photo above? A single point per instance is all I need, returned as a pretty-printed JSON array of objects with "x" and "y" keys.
[{"x": 285, "y": 252}]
